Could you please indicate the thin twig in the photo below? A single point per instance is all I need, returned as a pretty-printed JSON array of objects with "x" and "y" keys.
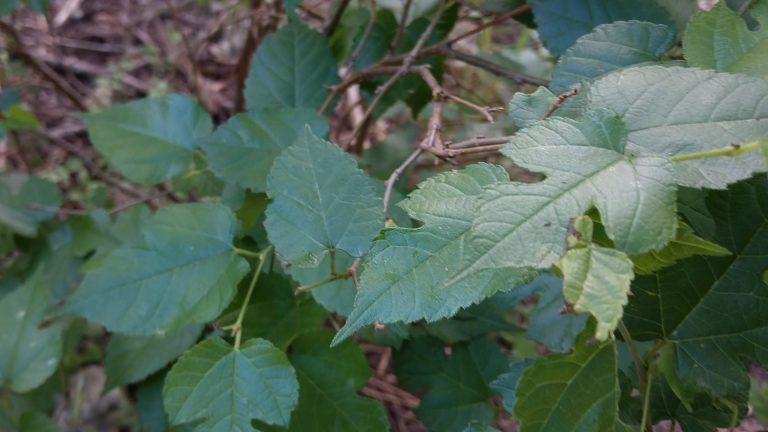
[
  {"x": 331, "y": 27},
  {"x": 498, "y": 20},
  {"x": 559, "y": 100},
  {"x": 60, "y": 83},
  {"x": 390, "y": 183},
  {"x": 480, "y": 141},
  {"x": 401, "y": 27},
  {"x": 407, "y": 61},
  {"x": 493, "y": 68},
  {"x": 486, "y": 112}
]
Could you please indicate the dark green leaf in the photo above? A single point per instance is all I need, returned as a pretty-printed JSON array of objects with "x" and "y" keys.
[
  {"x": 185, "y": 272},
  {"x": 458, "y": 383},
  {"x": 330, "y": 379},
  {"x": 610, "y": 47},
  {"x": 275, "y": 313},
  {"x": 149, "y": 405},
  {"x": 547, "y": 323},
  {"x": 315, "y": 208},
  {"x": 720, "y": 313},
  {"x": 506, "y": 383},
  {"x": 561, "y": 22},
  {"x": 28, "y": 354},
  {"x": 37, "y": 422},
  {"x": 574, "y": 392},
  {"x": 243, "y": 149},
  {"x": 377, "y": 44},
  {"x": 132, "y": 358},
  {"x": 225, "y": 388},
  {"x": 291, "y": 68},
  {"x": 150, "y": 140},
  {"x": 25, "y": 201}
]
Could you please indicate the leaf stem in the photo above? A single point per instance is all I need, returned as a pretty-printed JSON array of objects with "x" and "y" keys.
[
  {"x": 329, "y": 279},
  {"x": 237, "y": 327},
  {"x": 731, "y": 150},
  {"x": 246, "y": 252},
  {"x": 644, "y": 426}
]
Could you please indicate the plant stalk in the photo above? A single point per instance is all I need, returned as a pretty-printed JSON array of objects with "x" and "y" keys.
[{"x": 237, "y": 327}]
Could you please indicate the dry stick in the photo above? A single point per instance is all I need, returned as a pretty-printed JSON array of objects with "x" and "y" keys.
[
  {"x": 390, "y": 183},
  {"x": 336, "y": 18},
  {"x": 407, "y": 61},
  {"x": 400, "y": 28},
  {"x": 493, "y": 68},
  {"x": 480, "y": 141},
  {"x": 559, "y": 100},
  {"x": 60, "y": 83}
]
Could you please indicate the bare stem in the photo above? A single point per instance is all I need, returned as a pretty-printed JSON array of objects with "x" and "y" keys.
[
  {"x": 390, "y": 183},
  {"x": 731, "y": 151}
]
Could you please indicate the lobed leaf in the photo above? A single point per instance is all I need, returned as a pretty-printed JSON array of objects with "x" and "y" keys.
[
  {"x": 673, "y": 110},
  {"x": 224, "y": 388},
  {"x": 404, "y": 277}
]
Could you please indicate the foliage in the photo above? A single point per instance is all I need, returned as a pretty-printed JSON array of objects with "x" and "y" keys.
[{"x": 614, "y": 278}]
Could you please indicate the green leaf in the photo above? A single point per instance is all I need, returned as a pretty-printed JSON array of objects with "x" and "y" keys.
[
  {"x": 243, "y": 149},
  {"x": 723, "y": 316},
  {"x": 519, "y": 224},
  {"x": 337, "y": 296},
  {"x": 758, "y": 399},
  {"x": 459, "y": 384},
  {"x": 149, "y": 404},
  {"x": 25, "y": 201},
  {"x": 18, "y": 118},
  {"x": 315, "y": 208},
  {"x": 330, "y": 379},
  {"x": 547, "y": 323},
  {"x": 719, "y": 39},
  {"x": 32, "y": 421},
  {"x": 578, "y": 391},
  {"x": 149, "y": 140},
  {"x": 403, "y": 278},
  {"x": 685, "y": 244},
  {"x": 132, "y": 358},
  {"x": 377, "y": 44},
  {"x": 28, "y": 354},
  {"x": 185, "y": 272},
  {"x": 561, "y": 22},
  {"x": 8, "y": 6},
  {"x": 506, "y": 383},
  {"x": 472, "y": 322},
  {"x": 225, "y": 388},
  {"x": 527, "y": 109},
  {"x": 610, "y": 47},
  {"x": 596, "y": 280},
  {"x": 291, "y": 68},
  {"x": 674, "y": 110},
  {"x": 275, "y": 313}
]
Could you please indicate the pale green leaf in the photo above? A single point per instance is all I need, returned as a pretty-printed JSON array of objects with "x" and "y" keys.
[
  {"x": 574, "y": 392},
  {"x": 149, "y": 140},
  {"x": 274, "y": 312},
  {"x": 561, "y": 22},
  {"x": 519, "y": 224},
  {"x": 403, "y": 278},
  {"x": 185, "y": 272},
  {"x": 320, "y": 200},
  {"x": 527, "y": 109},
  {"x": 675, "y": 110},
  {"x": 610, "y": 47},
  {"x": 459, "y": 384},
  {"x": 132, "y": 358},
  {"x": 292, "y": 67},
  {"x": 243, "y": 149},
  {"x": 685, "y": 244},
  {"x": 723, "y": 318},
  {"x": 330, "y": 379},
  {"x": 28, "y": 354},
  {"x": 224, "y": 388},
  {"x": 719, "y": 39},
  {"x": 596, "y": 280},
  {"x": 25, "y": 201}
]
